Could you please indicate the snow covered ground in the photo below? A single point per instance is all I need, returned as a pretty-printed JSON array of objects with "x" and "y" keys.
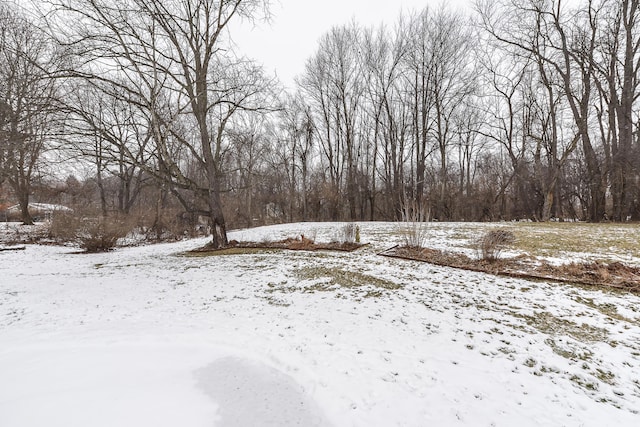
[{"x": 149, "y": 337}]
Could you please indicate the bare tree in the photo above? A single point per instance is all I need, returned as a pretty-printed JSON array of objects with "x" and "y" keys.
[
  {"x": 562, "y": 43},
  {"x": 248, "y": 148},
  {"x": 112, "y": 135},
  {"x": 617, "y": 67},
  {"x": 333, "y": 81},
  {"x": 470, "y": 145},
  {"x": 440, "y": 75},
  {"x": 298, "y": 131},
  {"x": 382, "y": 61},
  {"x": 28, "y": 101},
  {"x": 168, "y": 58}
]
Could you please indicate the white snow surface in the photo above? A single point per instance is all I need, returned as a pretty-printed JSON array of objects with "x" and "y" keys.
[{"x": 146, "y": 336}]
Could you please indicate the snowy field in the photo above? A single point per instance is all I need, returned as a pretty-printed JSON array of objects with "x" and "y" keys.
[{"x": 149, "y": 337}]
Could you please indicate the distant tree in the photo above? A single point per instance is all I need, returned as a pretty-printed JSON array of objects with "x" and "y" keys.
[
  {"x": 112, "y": 135},
  {"x": 562, "y": 43},
  {"x": 245, "y": 157},
  {"x": 295, "y": 151},
  {"x": 382, "y": 61},
  {"x": 444, "y": 42},
  {"x": 28, "y": 101},
  {"x": 617, "y": 79},
  {"x": 333, "y": 82}
]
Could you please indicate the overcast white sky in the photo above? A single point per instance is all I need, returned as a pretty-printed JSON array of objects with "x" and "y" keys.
[{"x": 284, "y": 44}]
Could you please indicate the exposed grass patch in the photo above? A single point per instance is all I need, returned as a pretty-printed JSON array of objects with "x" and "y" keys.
[
  {"x": 606, "y": 242},
  {"x": 569, "y": 351},
  {"x": 585, "y": 383},
  {"x": 326, "y": 279},
  {"x": 342, "y": 278},
  {"x": 553, "y": 239},
  {"x": 506, "y": 350},
  {"x": 230, "y": 251},
  {"x": 606, "y": 309},
  {"x": 607, "y": 377},
  {"x": 271, "y": 300},
  {"x": 549, "y": 324}
]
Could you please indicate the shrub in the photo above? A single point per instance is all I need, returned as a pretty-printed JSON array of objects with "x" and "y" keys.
[
  {"x": 95, "y": 234},
  {"x": 101, "y": 235},
  {"x": 493, "y": 243},
  {"x": 167, "y": 225},
  {"x": 414, "y": 228},
  {"x": 350, "y": 233},
  {"x": 64, "y": 227}
]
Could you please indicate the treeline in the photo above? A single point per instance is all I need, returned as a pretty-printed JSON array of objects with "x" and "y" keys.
[
  {"x": 525, "y": 109},
  {"x": 516, "y": 110}
]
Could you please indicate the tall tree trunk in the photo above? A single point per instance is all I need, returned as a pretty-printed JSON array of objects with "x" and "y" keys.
[{"x": 23, "y": 201}]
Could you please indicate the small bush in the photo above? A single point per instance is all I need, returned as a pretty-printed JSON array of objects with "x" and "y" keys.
[
  {"x": 91, "y": 234},
  {"x": 167, "y": 225},
  {"x": 64, "y": 227},
  {"x": 350, "y": 233},
  {"x": 493, "y": 243},
  {"x": 101, "y": 235},
  {"x": 414, "y": 228}
]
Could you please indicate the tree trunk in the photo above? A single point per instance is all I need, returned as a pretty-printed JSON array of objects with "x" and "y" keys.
[
  {"x": 218, "y": 225},
  {"x": 596, "y": 187},
  {"x": 23, "y": 199},
  {"x": 548, "y": 204}
]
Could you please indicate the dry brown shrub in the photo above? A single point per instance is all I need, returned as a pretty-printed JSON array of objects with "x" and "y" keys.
[
  {"x": 64, "y": 227},
  {"x": 299, "y": 243},
  {"x": 491, "y": 245},
  {"x": 93, "y": 234},
  {"x": 414, "y": 227},
  {"x": 572, "y": 269},
  {"x": 101, "y": 235},
  {"x": 167, "y": 225},
  {"x": 603, "y": 272}
]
